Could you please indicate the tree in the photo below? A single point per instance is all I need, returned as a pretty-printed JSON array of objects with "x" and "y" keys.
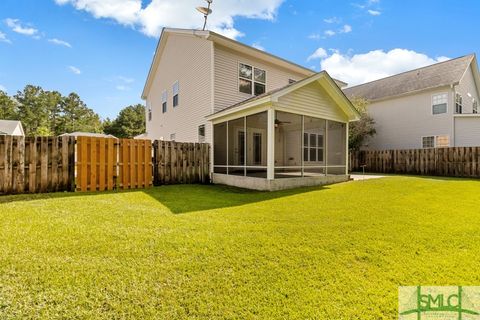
[
  {"x": 76, "y": 116},
  {"x": 360, "y": 131},
  {"x": 33, "y": 110},
  {"x": 129, "y": 122},
  {"x": 7, "y": 107}
]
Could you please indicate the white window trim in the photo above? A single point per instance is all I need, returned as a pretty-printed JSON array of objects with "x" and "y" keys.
[
  {"x": 455, "y": 102},
  {"x": 178, "y": 93},
  {"x": 164, "y": 100},
  {"x": 431, "y": 107},
  {"x": 252, "y": 80},
  {"x": 435, "y": 140}
]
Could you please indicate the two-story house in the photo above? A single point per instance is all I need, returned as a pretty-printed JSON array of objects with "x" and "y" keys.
[
  {"x": 434, "y": 106},
  {"x": 266, "y": 118}
]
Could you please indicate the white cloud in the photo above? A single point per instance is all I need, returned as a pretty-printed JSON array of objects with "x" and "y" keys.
[
  {"x": 373, "y": 65},
  {"x": 346, "y": 29},
  {"x": 258, "y": 46},
  {"x": 314, "y": 36},
  {"x": 121, "y": 87},
  {"x": 374, "y": 12},
  {"x": 3, "y": 38},
  {"x": 332, "y": 20},
  {"x": 329, "y": 33},
  {"x": 74, "y": 70},
  {"x": 60, "y": 42},
  {"x": 173, "y": 13},
  {"x": 2, "y": 88},
  {"x": 320, "y": 53},
  {"x": 18, "y": 27},
  {"x": 126, "y": 79}
]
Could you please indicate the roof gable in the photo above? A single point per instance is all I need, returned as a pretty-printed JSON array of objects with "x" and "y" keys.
[
  {"x": 327, "y": 84},
  {"x": 11, "y": 127},
  {"x": 437, "y": 75}
]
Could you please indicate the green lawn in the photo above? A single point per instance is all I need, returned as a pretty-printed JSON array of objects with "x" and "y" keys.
[{"x": 211, "y": 252}]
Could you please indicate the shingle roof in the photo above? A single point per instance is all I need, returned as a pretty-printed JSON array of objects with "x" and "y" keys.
[
  {"x": 434, "y": 76},
  {"x": 87, "y": 134},
  {"x": 8, "y": 126}
]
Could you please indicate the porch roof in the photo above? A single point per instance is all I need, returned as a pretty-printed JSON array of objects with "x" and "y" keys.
[{"x": 271, "y": 97}]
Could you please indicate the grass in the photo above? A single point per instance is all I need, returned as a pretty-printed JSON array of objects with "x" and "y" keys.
[{"x": 211, "y": 252}]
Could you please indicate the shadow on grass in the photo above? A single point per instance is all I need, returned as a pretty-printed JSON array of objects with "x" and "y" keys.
[
  {"x": 391, "y": 175},
  {"x": 180, "y": 198},
  {"x": 189, "y": 198}
]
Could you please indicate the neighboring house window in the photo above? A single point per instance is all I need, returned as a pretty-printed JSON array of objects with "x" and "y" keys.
[
  {"x": 172, "y": 137},
  {"x": 436, "y": 141},
  {"x": 458, "y": 103},
  {"x": 175, "y": 93},
  {"x": 201, "y": 133},
  {"x": 428, "y": 142},
  {"x": 290, "y": 81},
  {"x": 439, "y": 103},
  {"x": 251, "y": 80},
  {"x": 443, "y": 141},
  {"x": 313, "y": 145},
  {"x": 475, "y": 106},
  {"x": 164, "y": 101}
]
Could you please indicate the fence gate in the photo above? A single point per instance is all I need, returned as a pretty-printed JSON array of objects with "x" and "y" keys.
[{"x": 108, "y": 163}]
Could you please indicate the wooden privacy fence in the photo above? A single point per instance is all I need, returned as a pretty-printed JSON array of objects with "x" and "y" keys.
[
  {"x": 37, "y": 164},
  {"x": 176, "y": 162},
  {"x": 108, "y": 163},
  {"x": 49, "y": 164},
  {"x": 449, "y": 162}
]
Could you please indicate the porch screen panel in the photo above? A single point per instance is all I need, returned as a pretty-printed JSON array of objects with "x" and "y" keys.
[
  {"x": 288, "y": 145},
  {"x": 336, "y": 147},
  {"x": 220, "y": 148},
  {"x": 236, "y": 147},
  {"x": 256, "y": 139},
  {"x": 314, "y": 141}
]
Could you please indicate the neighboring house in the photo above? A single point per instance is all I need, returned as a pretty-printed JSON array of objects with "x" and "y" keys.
[
  {"x": 277, "y": 124},
  {"x": 87, "y": 134},
  {"x": 11, "y": 128},
  {"x": 434, "y": 106},
  {"x": 196, "y": 73}
]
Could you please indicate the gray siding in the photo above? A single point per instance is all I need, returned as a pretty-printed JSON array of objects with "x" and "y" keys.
[
  {"x": 467, "y": 86},
  {"x": 188, "y": 60},
  {"x": 467, "y": 131},
  {"x": 402, "y": 122},
  {"x": 226, "y": 76}
]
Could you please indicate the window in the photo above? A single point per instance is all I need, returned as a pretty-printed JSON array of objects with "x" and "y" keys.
[
  {"x": 475, "y": 106},
  {"x": 149, "y": 114},
  {"x": 290, "y": 81},
  {"x": 172, "y": 137},
  {"x": 439, "y": 103},
  {"x": 443, "y": 141},
  {"x": 428, "y": 142},
  {"x": 313, "y": 145},
  {"x": 251, "y": 80},
  {"x": 164, "y": 101},
  {"x": 175, "y": 93},
  {"x": 201, "y": 133},
  {"x": 458, "y": 103}
]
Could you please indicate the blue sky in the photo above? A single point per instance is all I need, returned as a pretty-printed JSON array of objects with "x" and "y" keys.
[{"x": 103, "y": 49}]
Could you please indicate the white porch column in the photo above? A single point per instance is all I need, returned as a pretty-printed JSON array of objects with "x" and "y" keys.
[
  {"x": 271, "y": 144},
  {"x": 347, "y": 160}
]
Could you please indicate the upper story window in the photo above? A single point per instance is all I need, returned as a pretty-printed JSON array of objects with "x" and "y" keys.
[
  {"x": 251, "y": 80},
  {"x": 474, "y": 106},
  {"x": 164, "y": 101},
  {"x": 201, "y": 133},
  {"x": 175, "y": 93},
  {"x": 149, "y": 114},
  {"x": 458, "y": 103},
  {"x": 439, "y": 103}
]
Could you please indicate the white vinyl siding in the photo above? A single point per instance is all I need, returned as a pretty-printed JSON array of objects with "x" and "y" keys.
[
  {"x": 467, "y": 131},
  {"x": 226, "y": 91},
  {"x": 468, "y": 90},
  {"x": 188, "y": 60},
  {"x": 313, "y": 100}
]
